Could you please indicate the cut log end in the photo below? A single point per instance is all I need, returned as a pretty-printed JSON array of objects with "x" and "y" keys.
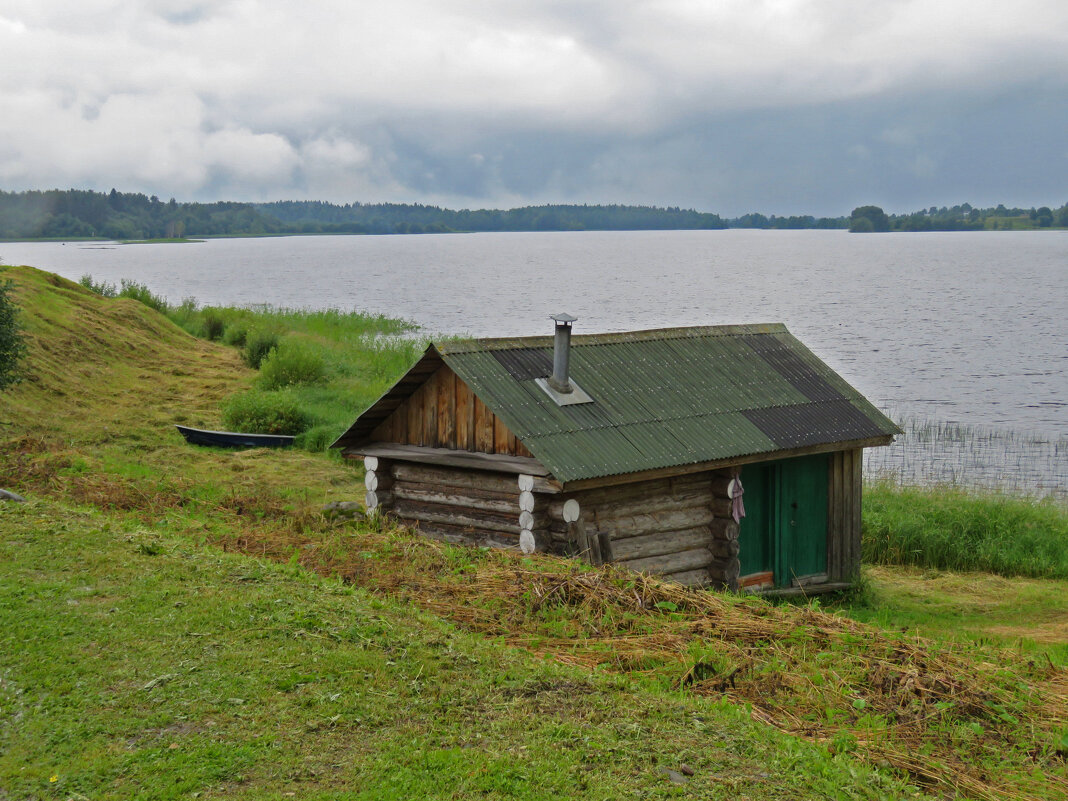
[{"x": 526, "y": 541}]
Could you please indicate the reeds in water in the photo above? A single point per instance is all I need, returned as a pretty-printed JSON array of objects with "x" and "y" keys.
[{"x": 973, "y": 457}]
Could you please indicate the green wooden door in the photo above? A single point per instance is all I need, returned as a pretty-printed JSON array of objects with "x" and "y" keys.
[
  {"x": 756, "y": 545},
  {"x": 785, "y": 527},
  {"x": 803, "y": 521}
]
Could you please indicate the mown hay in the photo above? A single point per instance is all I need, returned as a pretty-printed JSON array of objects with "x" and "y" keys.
[{"x": 984, "y": 724}]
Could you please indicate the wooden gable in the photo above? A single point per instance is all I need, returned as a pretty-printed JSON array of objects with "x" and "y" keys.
[{"x": 444, "y": 413}]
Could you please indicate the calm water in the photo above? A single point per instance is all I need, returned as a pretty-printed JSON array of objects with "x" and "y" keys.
[{"x": 966, "y": 329}]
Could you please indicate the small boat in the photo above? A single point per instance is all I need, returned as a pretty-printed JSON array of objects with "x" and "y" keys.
[{"x": 233, "y": 439}]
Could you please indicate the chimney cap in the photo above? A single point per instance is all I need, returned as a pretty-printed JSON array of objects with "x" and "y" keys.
[{"x": 563, "y": 317}]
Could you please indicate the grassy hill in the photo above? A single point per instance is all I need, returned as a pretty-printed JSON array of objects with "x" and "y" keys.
[{"x": 180, "y": 622}]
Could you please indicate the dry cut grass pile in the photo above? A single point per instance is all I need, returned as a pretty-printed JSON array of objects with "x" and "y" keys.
[{"x": 984, "y": 725}]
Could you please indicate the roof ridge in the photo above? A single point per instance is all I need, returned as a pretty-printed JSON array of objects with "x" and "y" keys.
[{"x": 609, "y": 338}]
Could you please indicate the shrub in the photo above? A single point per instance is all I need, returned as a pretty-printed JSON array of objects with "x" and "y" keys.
[
  {"x": 236, "y": 333},
  {"x": 212, "y": 324},
  {"x": 12, "y": 346},
  {"x": 140, "y": 292},
  {"x": 291, "y": 364},
  {"x": 318, "y": 439},
  {"x": 256, "y": 412},
  {"x": 102, "y": 288},
  {"x": 258, "y": 343},
  {"x": 186, "y": 316}
]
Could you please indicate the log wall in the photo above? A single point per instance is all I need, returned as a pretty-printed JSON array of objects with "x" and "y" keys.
[
  {"x": 444, "y": 413},
  {"x": 679, "y": 527},
  {"x": 462, "y": 506},
  {"x": 844, "y": 490}
]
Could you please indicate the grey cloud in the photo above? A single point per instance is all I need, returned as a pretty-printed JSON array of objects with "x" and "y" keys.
[{"x": 729, "y": 106}]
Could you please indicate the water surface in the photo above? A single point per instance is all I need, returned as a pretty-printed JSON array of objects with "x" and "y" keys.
[{"x": 962, "y": 328}]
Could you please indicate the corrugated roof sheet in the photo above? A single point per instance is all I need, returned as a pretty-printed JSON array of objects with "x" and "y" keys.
[{"x": 661, "y": 398}]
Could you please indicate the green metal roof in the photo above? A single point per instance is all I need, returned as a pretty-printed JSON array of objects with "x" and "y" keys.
[{"x": 661, "y": 398}]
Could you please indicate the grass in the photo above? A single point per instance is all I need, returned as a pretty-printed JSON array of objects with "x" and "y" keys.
[
  {"x": 334, "y": 363},
  {"x": 350, "y": 357},
  {"x": 952, "y": 529},
  {"x": 134, "y": 663},
  {"x": 357, "y": 660}
]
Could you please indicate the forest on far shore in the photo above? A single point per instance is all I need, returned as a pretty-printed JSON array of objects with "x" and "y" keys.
[{"x": 85, "y": 214}]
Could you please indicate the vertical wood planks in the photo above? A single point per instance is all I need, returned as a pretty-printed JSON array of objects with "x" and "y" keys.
[
  {"x": 430, "y": 410},
  {"x": 400, "y": 425},
  {"x": 465, "y": 416},
  {"x": 503, "y": 439},
  {"x": 484, "y": 420},
  {"x": 445, "y": 413},
  {"x": 415, "y": 417},
  {"x": 446, "y": 406},
  {"x": 856, "y": 494}
]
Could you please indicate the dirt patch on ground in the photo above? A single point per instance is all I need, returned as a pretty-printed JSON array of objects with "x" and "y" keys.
[{"x": 1052, "y": 632}]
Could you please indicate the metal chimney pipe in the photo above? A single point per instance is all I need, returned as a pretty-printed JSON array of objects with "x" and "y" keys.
[{"x": 559, "y": 380}]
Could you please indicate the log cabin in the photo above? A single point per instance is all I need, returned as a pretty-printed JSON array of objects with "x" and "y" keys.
[{"x": 726, "y": 456}]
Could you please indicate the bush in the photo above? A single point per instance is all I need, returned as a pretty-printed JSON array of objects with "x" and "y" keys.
[
  {"x": 291, "y": 364},
  {"x": 258, "y": 343},
  {"x": 186, "y": 316},
  {"x": 212, "y": 324},
  {"x": 12, "y": 346},
  {"x": 236, "y": 333},
  {"x": 318, "y": 439},
  {"x": 257, "y": 412},
  {"x": 140, "y": 292},
  {"x": 102, "y": 288}
]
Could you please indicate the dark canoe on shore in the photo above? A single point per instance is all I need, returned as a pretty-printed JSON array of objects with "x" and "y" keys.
[{"x": 233, "y": 439}]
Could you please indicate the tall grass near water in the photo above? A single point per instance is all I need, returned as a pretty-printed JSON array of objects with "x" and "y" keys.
[
  {"x": 319, "y": 368},
  {"x": 974, "y": 457},
  {"x": 331, "y": 364},
  {"x": 960, "y": 497},
  {"x": 952, "y": 529}
]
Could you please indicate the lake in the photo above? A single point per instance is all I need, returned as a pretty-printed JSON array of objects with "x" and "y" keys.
[{"x": 962, "y": 336}]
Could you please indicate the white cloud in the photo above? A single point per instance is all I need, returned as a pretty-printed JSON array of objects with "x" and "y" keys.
[{"x": 266, "y": 96}]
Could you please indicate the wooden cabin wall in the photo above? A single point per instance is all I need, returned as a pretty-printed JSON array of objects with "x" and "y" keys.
[
  {"x": 677, "y": 527},
  {"x": 461, "y": 506},
  {"x": 444, "y": 413},
  {"x": 844, "y": 490}
]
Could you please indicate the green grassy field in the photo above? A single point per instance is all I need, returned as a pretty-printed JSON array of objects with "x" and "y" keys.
[{"x": 178, "y": 621}]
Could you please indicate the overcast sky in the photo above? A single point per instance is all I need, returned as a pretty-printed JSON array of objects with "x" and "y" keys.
[{"x": 783, "y": 106}]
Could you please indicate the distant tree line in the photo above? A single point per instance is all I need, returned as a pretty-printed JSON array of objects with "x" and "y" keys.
[
  {"x": 965, "y": 217},
  {"x": 74, "y": 213},
  {"x": 755, "y": 220},
  {"x": 71, "y": 214}
]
